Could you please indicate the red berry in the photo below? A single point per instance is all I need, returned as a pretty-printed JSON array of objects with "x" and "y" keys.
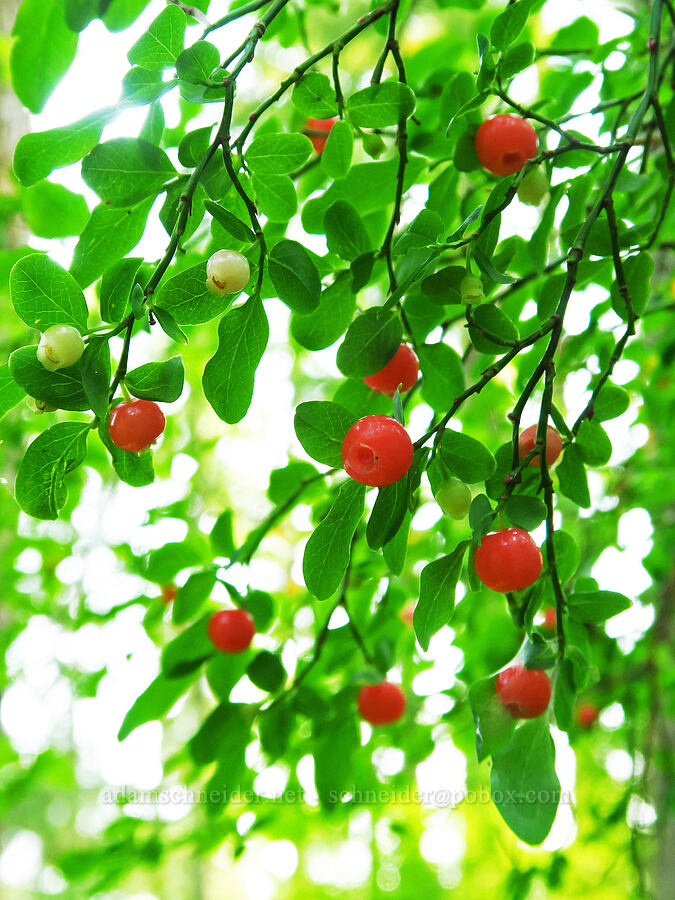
[
  {"x": 550, "y": 619},
  {"x": 324, "y": 125},
  {"x": 231, "y": 630},
  {"x": 381, "y": 703},
  {"x": 376, "y": 451},
  {"x": 407, "y": 612},
  {"x": 169, "y": 592},
  {"x": 524, "y": 692},
  {"x": 587, "y": 714},
  {"x": 508, "y": 560},
  {"x": 528, "y": 438},
  {"x": 505, "y": 143},
  {"x": 401, "y": 370},
  {"x": 134, "y": 426}
]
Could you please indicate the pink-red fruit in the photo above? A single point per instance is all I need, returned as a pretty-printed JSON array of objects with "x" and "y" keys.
[
  {"x": 381, "y": 703},
  {"x": 525, "y": 693},
  {"x": 377, "y": 451},
  {"x": 323, "y": 127},
  {"x": 231, "y": 630},
  {"x": 528, "y": 438},
  {"x": 504, "y": 144},
  {"x": 508, "y": 560},
  {"x": 134, "y": 426},
  {"x": 402, "y": 369}
]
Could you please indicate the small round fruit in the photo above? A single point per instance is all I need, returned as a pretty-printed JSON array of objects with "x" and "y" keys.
[
  {"x": 471, "y": 290},
  {"x": 408, "y": 612},
  {"x": 508, "y": 560},
  {"x": 533, "y": 188},
  {"x": 550, "y": 620},
  {"x": 528, "y": 438},
  {"x": 134, "y": 426},
  {"x": 525, "y": 693},
  {"x": 377, "y": 451},
  {"x": 169, "y": 592},
  {"x": 60, "y": 346},
  {"x": 401, "y": 370},
  {"x": 381, "y": 703},
  {"x": 454, "y": 498},
  {"x": 231, "y": 630},
  {"x": 227, "y": 272},
  {"x": 323, "y": 126},
  {"x": 504, "y": 144},
  {"x": 586, "y": 714}
]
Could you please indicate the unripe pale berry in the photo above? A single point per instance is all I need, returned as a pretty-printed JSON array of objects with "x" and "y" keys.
[
  {"x": 525, "y": 693},
  {"x": 227, "y": 272},
  {"x": 528, "y": 438},
  {"x": 454, "y": 498},
  {"x": 533, "y": 188},
  {"x": 323, "y": 126},
  {"x": 401, "y": 370},
  {"x": 504, "y": 144},
  {"x": 60, "y": 346},
  {"x": 231, "y": 630},
  {"x": 508, "y": 560},
  {"x": 377, "y": 451},
  {"x": 471, "y": 290},
  {"x": 134, "y": 426},
  {"x": 381, "y": 703},
  {"x": 373, "y": 145}
]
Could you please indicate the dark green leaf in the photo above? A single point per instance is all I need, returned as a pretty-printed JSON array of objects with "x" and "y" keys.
[
  {"x": 196, "y": 64},
  {"x": 596, "y": 606},
  {"x": 509, "y": 23},
  {"x": 186, "y": 652},
  {"x": 494, "y": 724},
  {"x": 62, "y": 389},
  {"x": 381, "y": 104},
  {"x": 274, "y": 728},
  {"x": 346, "y": 234},
  {"x": 322, "y": 327},
  {"x": 266, "y": 671},
  {"x": 295, "y": 276},
  {"x": 161, "y": 44},
  {"x": 328, "y": 550},
  {"x": 155, "y": 702},
  {"x": 40, "y": 488},
  {"x": 371, "y": 341},
  {"x": 466, "y": 457},
  {"x": 336, "y": 158},
  {"x": 275, "y": 196},
  {"x": 492, "y": 322},
  {"x": 222, "y": 537},
  {"x": 44, "y": 294},
  {"x": 124, "y": 171},
  {"x": 116, "y": 287},
  {"x": 109, "y": 234},
  {"x": 387, "y": 514},
  {"x": 436, "y": 604},
  {"x": 192, "y": 596},
  {"x": 95, "y": 368},
  {"x": 278, "y": 154},
  {"x": 321, "y": 427},
  {"x": 335, "y": 747},
  {"x": 573, "y": 478},
  {"x": 157, "y": 381},
  {"x": 443, "y": 375},
  {"x": 480, "y": 515},
  {"x": 525, "y": 512},
  {"x": 38, "y": 154},
  {"x": 594, "y": 445},
  {"x": 225, "y": 731},
  {"x": 567, "y": 554},
  {"x": 230, "y": 222},
  {"x": 135, "y": 469},
  {"x": 11, "y": 392},
  {"x": 52, "y": 211},
  {"x": 169, "y": 325},
  {"x": 188, "y": 299},
  {"x": 612, "y": 401},
  {"x": 314, "y": 96}
]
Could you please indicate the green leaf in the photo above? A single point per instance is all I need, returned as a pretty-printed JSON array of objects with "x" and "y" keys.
[
  {"x": 422, "y": 232},
  {"x": 275, "y": 196},
  {"x": 109, "y": 234},
  {"x": 443, "y": 287},
  {"x": 135, "y": 469},
  {"x": 286, "y": 482},
  {"x": 346, "y": 234},
  {"x": 466, "y": 457},
  {"x": 44, "y": 294},
  {"x": 230, "y": 222},
  {"x": 594, "y": 445},
  {"x": 612, "y": 401},
  {"x": 314, "y": 96},
  {"x": 224, "y": 671},
  {"x": 143, "y": 86},
  {"x": 168, "y": 560},
  {"x": 95, "y": 367},
  {"x": 481, "y": 515},
  {"x": 394, "y": 551},
  {"x": 196, "y": 64},
  {"x": 443, "y": 375},
  {"x": 486, "y": 74},
  {"x": 278, "y": 154},
  {"x": 321, "y": 426},
  {"x": 186, "y": 652},
  {"x": 169, "y": 325},
  {"x": 486, "y": 266},
  {"x": 225, "y": 731},
  {"x": 567, "y": 554},
  {"x": 516, "y": 59},
  {"x": 328, "y": 550},
  {"x": 492, "y": 321},
  {"x": 523, "y": 782},
  {"x": 261, "y": 606},
  {"x": 42, "y": 51},
  {"x": 116, "y": 287},
  {"x": 275, "y": 725},
  {"x": 194, "y": 146},
  {"x": 188, "y": 299},
  {"x": 222, "y": 536},
  {"x": 161, "y": 381},
  {"x": 79, "y": 13},
  {"x": 40, "y": 488},
  {"x": 295, "y": 276},
  {"x": 124, "y": 171},
  {"x": 336, "y": 744},
  {"x": 119, "y": 14},
  {"x": 583, "y": 32},
  {"x": 38, "y": 154},
  {"x": 381, "y": 104},
  {"x": 52, "y": 211},
  {"x": 230, "y": 373},
  {"x": 572, "y": 477},
  {"x": 192, "y": 596},
  {"x": 336, "y": 158},
  {"x": 11, "y": 393},
  {"x": 525, "y": 512},
  {"x": 62, "y": 389},
  {"x": 161, "y": 44},
  {"x": 155, "y": 702},
  {"x": 266, "y": 671},
  {"x": 638, "y": 271},
  {"x": 596, "y": 606},
  {"x": 371, "y": 341},
  {"x": 387, "y": 514},
  {"x": 509, "y": 23},
  {"x": 436, "y": 604},
  {"x": 494, "y": 724},
  {"x": 324, "y": 325}
]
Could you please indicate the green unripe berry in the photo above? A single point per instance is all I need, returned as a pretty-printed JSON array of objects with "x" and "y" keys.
[
  {"x": 454, "y": 498},
  {"x": 60, "y": 346},
  {"x": 373, "y": 145},
  {"x": 471, "y": 290},
  {"x": 533, "y": 188}
]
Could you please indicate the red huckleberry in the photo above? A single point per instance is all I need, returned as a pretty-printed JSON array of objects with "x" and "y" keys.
[
  {"x": 586, "y": 715},
  {"x": 504, "y": 144},
  {"x": 377, "y": 451},
  {"x": 508, "y": 560},
  {"x": 528, "y": 438},
  {"x": 320, "y": 125},
  {"x": 135, "y": 425},
  {"x": 525, "y": 693},
  {"x": 169, "y": 592},
  {"x": 550, "y": 620},
  {"x": 401, "y": 370},
  {"x": 231, "y": 630},
  {"x": 381, "y": 703}
]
